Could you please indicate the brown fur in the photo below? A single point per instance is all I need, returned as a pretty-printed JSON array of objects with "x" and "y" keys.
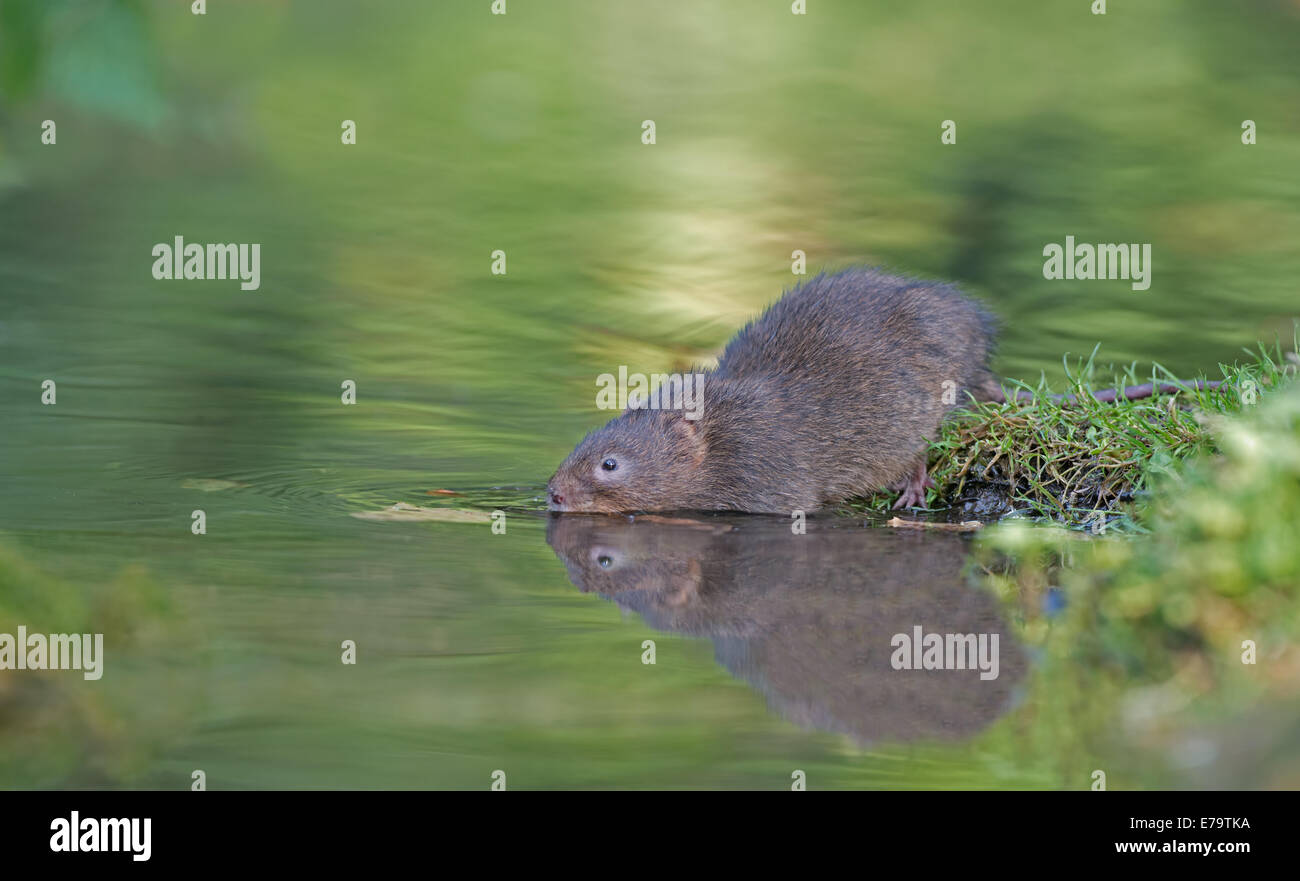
[{"x": 831, "y": 393}]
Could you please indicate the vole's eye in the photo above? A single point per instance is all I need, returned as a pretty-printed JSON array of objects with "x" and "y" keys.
[
  {"x": 609, "y": 464},
  {"x": 604, "y": 562}
]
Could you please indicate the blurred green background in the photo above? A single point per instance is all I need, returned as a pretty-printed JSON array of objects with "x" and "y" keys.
[{"x": 522, "y": 132}]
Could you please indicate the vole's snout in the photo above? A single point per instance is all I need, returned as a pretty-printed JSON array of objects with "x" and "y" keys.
[
  {"x": 559, "y": 497},
  {"x": 564, "y": 494}
]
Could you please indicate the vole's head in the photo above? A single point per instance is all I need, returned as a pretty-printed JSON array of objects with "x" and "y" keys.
[{"x": 645, "y": 460}]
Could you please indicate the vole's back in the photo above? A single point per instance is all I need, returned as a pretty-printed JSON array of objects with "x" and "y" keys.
[
  {"x": 858, "y": 370},
  {"x": 863, "y": 326}
]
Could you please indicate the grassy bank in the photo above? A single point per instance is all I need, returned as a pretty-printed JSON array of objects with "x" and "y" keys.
[
  {"x": 1191, "y": 628},
  {"x": 1079, "y": 461}
]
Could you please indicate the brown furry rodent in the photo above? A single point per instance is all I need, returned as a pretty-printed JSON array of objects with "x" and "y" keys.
[{"x": 831, "y": 393}]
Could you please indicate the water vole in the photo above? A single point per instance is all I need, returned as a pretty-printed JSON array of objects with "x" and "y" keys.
[{"x": 831, "y": 393}]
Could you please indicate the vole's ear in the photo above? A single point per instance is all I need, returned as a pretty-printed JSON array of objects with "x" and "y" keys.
[{"x": 689, "y": 431}]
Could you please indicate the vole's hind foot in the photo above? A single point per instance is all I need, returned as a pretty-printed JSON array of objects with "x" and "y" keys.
[{"x": 913, "y": 487}]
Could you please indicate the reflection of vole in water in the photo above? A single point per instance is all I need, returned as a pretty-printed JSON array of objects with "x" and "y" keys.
[
  {"x": 809, "y": 620},
  {"x": 831, "y": 393}
]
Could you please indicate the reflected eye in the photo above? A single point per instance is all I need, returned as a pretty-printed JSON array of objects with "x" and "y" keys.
[
  {"x": 604, "y": 562},
  {"x": 609, "y": 464}
]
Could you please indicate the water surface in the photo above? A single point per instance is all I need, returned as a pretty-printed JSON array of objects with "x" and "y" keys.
[{"x": 478, "y": 651}]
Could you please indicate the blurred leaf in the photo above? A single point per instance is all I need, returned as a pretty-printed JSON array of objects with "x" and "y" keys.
[{"x": 404, "y": 512}]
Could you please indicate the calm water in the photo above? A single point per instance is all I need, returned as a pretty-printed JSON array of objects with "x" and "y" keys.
[{"x": 476, "y": 651}]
